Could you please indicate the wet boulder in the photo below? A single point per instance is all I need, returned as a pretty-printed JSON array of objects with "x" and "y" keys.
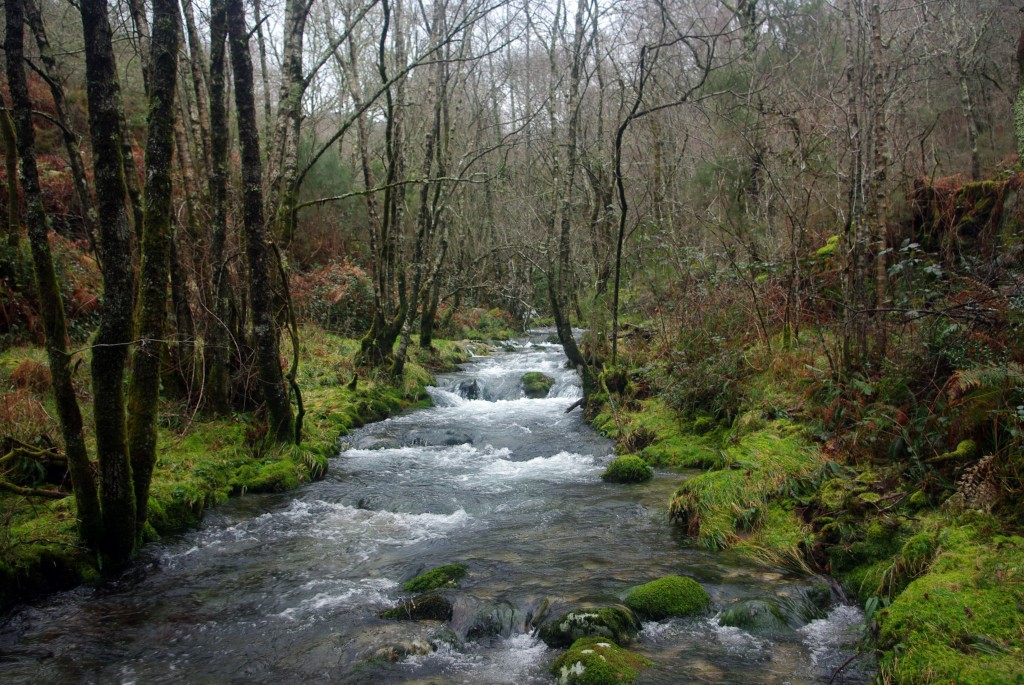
[
  {"x": 448, "y": 575},
  {"x": 597, "y": 661},
  {"x": 756, "y": 616},
  {"x": 627, "y": 469},
  {"x": 536, "y": 384},
  {"x": 429, "y": 607},
  {"x": 667, "y": 597},
  {"x": 469, "y": 390},
  {"x": 616, "y": 623}
]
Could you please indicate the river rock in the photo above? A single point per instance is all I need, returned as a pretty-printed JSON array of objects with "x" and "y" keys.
[
  {"x": 667, "y": 597},
  {"x": 615, "y": 622},
  {"x": 469, "y": 390},
  {"x": 597, "y": 661},
  {"x": 756, "y": 616},
  {"x": 536, "y": 384},
  {"x": 429, "y": 607},
  {"x": 448, "y": 575}
]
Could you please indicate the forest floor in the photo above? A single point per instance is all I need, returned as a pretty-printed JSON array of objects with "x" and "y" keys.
[
  {"x": 202, "y": 461},
  {"x": 941, "y": 577}
]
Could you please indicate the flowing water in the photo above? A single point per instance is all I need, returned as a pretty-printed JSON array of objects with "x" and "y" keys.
[{"x": 287, "y": 588}]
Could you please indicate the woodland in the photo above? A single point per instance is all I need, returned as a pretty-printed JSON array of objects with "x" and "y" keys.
[{"x": 244, "y": 227}]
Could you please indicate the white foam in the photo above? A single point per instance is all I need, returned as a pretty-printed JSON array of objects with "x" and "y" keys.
[
  {"x": 510, "y": 661},
  {"x": 826, "y": 635},
  {"x": 343, "y": 596}
]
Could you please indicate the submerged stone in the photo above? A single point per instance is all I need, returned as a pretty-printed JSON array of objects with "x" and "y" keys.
[
  {"x": 469, "y": 390},
  {"x": 597, "y": 661},
  {"x": 615, "y": 622},
  {"x": 430, "y": 607},
  {"x": 667, "y": 597},
  {"x": 756, "y": 616},
  {"x": 536, "y": 384}
]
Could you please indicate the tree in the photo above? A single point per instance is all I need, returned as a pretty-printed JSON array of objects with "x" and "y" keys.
[{"x": 261, "y": 283}]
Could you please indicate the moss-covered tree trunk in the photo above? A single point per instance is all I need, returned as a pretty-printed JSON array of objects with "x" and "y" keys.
[
  {"x": 1018, "y": 104},
  {"x": 110, "y": 346},
  {"x": 217, "y": 332},
  {"x": 48, "y": 291},
  {"x": 264, "y": 326},
  {"x": 12, "y": 226},
  {"x": 144, "y": 385}
]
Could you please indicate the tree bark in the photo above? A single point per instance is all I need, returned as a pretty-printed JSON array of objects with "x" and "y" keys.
[
  {"x": 110, "y": 346},
  {"x": 264, "y": 326},
  {"x": 144, "y": 384},
  {"x": 10, "y": 139},
  {"x": 90, "y": 516},
  {"x": 72, "y": 145},
  {"x": 217, "y": 331}
]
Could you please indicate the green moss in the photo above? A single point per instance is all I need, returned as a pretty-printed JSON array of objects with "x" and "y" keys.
[
  {"x": 448, "y": 575},
  {"x": 667, "y": 597},
  {"x": 714, "y": 506},
  {"x": 627, "y": 469},
  {"x": 536, "y": 385},
  {"x": 614, "y": 622},
  {"x": 962, "y": 621},
  {"x": 597, "y": 661}
]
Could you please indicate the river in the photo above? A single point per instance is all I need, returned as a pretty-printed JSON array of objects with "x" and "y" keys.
[{"x": 287, "y": 588}]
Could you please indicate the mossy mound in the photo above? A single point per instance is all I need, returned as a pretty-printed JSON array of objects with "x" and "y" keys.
[
  {"x": 627, "y": 469},
  {"x": 448, "y": 575},
  {"x": 615, "y": 622},
  {"x": 597, "y": 661},
  {"x": 536, "y": 384},
  {"x": 756, "y": 616},
  {"x": 430, "y": 607},
  {"x": 961, "y": 621},
  {"x": 667, "y": 597}
]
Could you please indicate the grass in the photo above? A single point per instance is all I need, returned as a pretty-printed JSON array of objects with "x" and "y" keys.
[{"x": 202, "y": 462}]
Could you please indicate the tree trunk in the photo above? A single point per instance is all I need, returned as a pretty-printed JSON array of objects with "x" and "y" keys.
[
  {"x": 268, "y": 361},
  {"x": 51, "y": 307},
  {"x": 1018, "y": 104},
  {"x": 10, "y": 139},
  {"x": 110, "y": 346},
  {"x": 144, "y": 384},
  {"x": 71, "y": 143},
  {"x": 217, "y": 331}
]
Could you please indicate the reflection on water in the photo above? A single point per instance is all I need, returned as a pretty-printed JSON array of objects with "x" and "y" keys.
[{"x": 287, "y": 587}]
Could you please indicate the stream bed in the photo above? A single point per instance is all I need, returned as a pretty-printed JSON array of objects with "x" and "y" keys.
[{"x": 287, "y": 588}]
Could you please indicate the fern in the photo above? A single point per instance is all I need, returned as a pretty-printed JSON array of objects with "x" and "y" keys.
[{"x": 988, "y": 379}]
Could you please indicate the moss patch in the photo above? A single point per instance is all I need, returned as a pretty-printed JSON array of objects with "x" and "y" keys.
[
  {"x": 597, "y": 661},
  {"x": 430, "y": 607},
  {"x": 536, "y": 384},
  {"x": 627, "y": 469},
  {"x": 962, "y": 621},
  {"x": 448, "y": 575},
  {"x": 716, "y": 506},
  {"x": 667, "y": 597}
]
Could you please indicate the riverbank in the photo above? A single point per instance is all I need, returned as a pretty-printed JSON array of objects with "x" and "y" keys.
[
  {"x": 202, "y": 462},
  {"x": 938, "y": 567}
]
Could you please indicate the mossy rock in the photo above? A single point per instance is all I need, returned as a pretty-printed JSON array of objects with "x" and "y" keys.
[
  {"x": 429, "y": 607},
  {"x": 597, "y": 661},
  {"x": 615, "y": 622},
  {"x": 448, "y": 575},
  {"x": 536, "y": 384},
  {"x": 756, "y": 616},
  {"x": 627, "y": 469},
  {"x": 667, "y": 597}
]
